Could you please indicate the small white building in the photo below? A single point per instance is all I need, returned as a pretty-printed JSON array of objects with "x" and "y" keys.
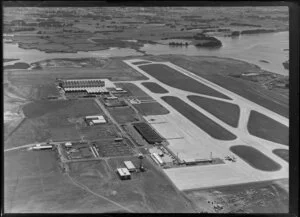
[
  {"x": 68, "y": 144},
  {"x": 129, "y": 165},
  {"x": 98, "y": 121},
  {"x": 119, "y": 89},
  {"x": 124, "y": 173},
  {"x": 157, "y": 159},
  {"x": 42, "y": 147}
]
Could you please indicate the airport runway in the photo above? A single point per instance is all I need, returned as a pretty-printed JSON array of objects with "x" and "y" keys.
[{"x": 198, "y": 144}]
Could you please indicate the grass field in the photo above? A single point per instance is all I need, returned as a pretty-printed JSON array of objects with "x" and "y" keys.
[
  {"x": 29, "y": 131},
  {"x": 37, "y": 109},
  {"x": 99, "y": 131},
  {"x": 150, "y": 191},
  {"x": 151, "y": 108},
  {"x": 255, "y": 158},
  {"x": 47, "y": 90},
  {"x": 220, "y": 71},
  {"x": 227, "y": 112},
  {"x": 199, "y": 119},
  {"x": 154, "y": 87},
  {"x": 133, "y": 90},
  {"x": 178, "y": 80},
  {"x": 261, "y": 197},
  {"x": 34, "y": 183},
  {"x": 282, "y": 153},
  {"x": 266, "y": 128},
  {"x": 123, "y": 114},
  {"x": 58, "y": 120}
]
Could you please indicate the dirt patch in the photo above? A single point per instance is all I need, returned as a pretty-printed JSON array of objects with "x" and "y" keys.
[
  {"x": 199, "y": 119},
  {"x": 227, "y": 112},
  {"x": 261, "y": 197},
  {"x": 155, "y": 88},
  {"x": 282, "y": 153},
  {"x": 173, "y": 78},
  {"x": 255, "y": 158},
  {"x": 267, "y": 128}
]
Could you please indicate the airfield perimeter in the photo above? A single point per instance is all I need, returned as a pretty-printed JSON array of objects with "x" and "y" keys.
[{"x": 198, "y": 118}]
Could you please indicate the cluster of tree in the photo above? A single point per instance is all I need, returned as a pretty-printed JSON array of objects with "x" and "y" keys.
[
  {"x": 255, "y": 31},
  {"x": 208, "y": 30},
  {"x": 192, "y": 16},
  {"x": 52, "y": 23},
  {"x": 18, "y": 29},
  {"x": 244, "y": 24},
  {"x": 178, "y": 43},
  {"x": 108, "y": 31},
  {"x": 281, "y": 18},
  {"x": 286, "y": 64},
  {"x": 73, "y": 30},
  {"x": 213, "y": 44},
  {"x": 201, "y": 27},
  {"x": 207, "y": 41},
  {"x": 223, "y": 30},
  {"x": 45, "y": 37},
  {"x": 235, "y": 33}
]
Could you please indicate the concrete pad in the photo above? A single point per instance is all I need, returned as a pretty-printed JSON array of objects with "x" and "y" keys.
[{"x": 205, "y": 176}]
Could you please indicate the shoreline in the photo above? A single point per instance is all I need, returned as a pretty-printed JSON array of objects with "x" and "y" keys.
[{"x": 149, "y": 55}]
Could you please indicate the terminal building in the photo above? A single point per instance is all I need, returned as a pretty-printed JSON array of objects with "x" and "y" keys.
[{"x": 90, "y": 86}]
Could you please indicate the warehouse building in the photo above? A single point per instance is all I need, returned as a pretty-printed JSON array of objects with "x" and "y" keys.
[
  {"x": 94, "y": 120},
  {"x": 129, "y": 165},
  {"x": 147, "y": 133},
  {"x": 124, "y": 173},
  {"x": 83, "y": 83},
  {"x": 42, "y": 147},
  {"x": 90, "y": 86}
]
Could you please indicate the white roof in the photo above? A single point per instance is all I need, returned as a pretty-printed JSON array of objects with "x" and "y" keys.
[
  {"x": 99, "y": 121},
  {"x": 85, "y": 80},
  {"x": 129, "y": 165},
  {"x": 94, "y": 116},
  {"x": 123, "y": 171},
  {"x": 119, "y": 88},
  {"x": 68, "y": 143},
  {"x": 42, "y": 147},
  {"x": 158, "y": 158}
]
